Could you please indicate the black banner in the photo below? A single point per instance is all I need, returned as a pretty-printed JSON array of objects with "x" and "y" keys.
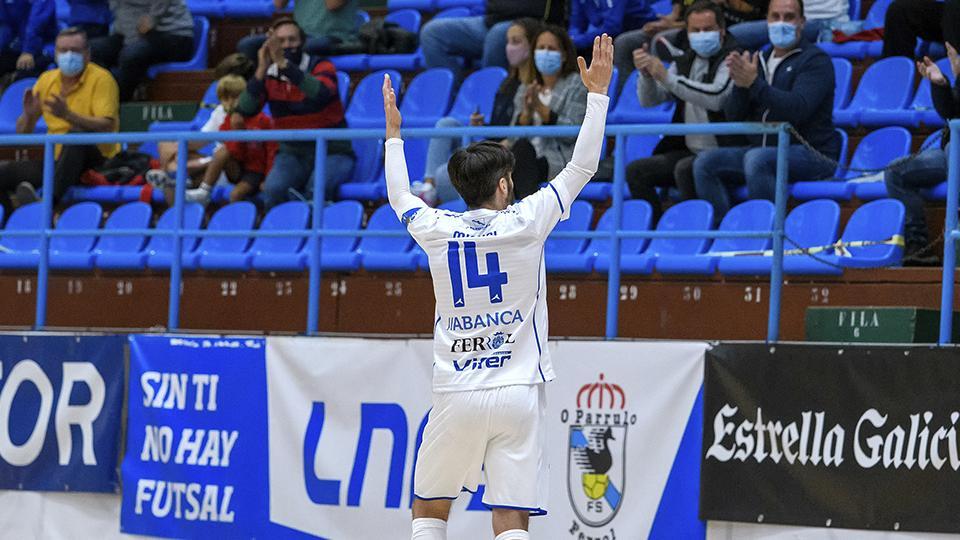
[{"x": 852, "y": 437}]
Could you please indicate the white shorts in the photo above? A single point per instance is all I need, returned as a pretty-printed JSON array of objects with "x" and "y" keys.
[{"x": 498, "y": 432}]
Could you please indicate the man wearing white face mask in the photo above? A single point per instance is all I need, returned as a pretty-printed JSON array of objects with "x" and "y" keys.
[
  {"x": 793, "y": 82},
  {"x": 76, "y": 97},
  {"x": 700, "y": 82}
]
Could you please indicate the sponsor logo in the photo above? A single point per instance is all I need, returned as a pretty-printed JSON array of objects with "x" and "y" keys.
[
  {"x": 476, "y": 344},
  {"x": 597, "y": 444},
  {"x": 484, "y": 320},
  {"x": 486, "y": 362}
]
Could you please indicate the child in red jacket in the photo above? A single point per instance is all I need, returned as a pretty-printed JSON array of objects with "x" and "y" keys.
[{"x": 245, "y": 164}]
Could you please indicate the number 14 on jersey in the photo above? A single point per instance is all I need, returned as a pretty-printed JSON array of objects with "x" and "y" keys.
[{"x": 493, "y": 280}]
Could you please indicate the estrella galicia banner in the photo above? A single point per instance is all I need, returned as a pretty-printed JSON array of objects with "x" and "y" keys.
[
  {"x": 196, "y": 438},
  {"x": 855, "y": 437},
  {"x": 60, "y": 408}
]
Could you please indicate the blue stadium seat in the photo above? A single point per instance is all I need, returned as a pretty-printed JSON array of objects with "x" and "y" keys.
[
  {"x": 843, "y": 75},
  {"x": 813, "y": 223},
  {"x": 248, "y": 8},
  {"x": 415, "y": 152},
  {"x": 857, "y": 50},
  {"x": 875, "y": 19},
  {"x": 73, "y": 252},
  {"x": 11, "y": 107},
  {"x": 384, "y": 253},
  {"x": 98, "y": 194},
  {"x": 291, "y": 215},
  {"x": 477, "y": 90},
  {"x": 427, "y": 98},
  {"x": 366, "y": 172},
  {"x": 886, "y": 85},
  {"x": 17, "y": 248},
  {"x": 875, "y": 151},
  {"x": 238, "y": 216},
  {"x": 629, "y": 111},
  {"x": 581, "y": 214},
  {"x": 409, "y": 20},
  {"x": 875, "y": 221},
  {"x": 446, "y": 4},
  {"x": 694, "y": 215},
  {"x": 343, "y": 88},
  {"x": 135, "y": 215},
  {"x": 612, "y": 88},
  {"x": 838, "y": 190},
  {"x": 201, "y": 44},
  {"x": 207, "y": 105},
  {"x": 636, "y": 217},
  {"x": 922, "y": 106},
  {"x": 939, "y": 191},
  {"x": 344, "y": 215},
  {"x": 754, "y": 215},
  {"x": 457, "y": 205},
  {"x": 366, "y": 105},
  {"x": 213, "y": 8},
  {"x": 421, "y": 5},
  {"x": 354, "y": 62},
  {"x": 158, "y": 254}
]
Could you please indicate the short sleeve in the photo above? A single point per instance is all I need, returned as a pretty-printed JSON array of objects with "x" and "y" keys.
[{"x": 106, "y": 99}]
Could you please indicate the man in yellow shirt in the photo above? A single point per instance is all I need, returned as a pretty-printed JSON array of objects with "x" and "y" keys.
[{"x": 77, "y": 97}]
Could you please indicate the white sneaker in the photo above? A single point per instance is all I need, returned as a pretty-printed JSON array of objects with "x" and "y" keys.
[
  {"x": 426, "y": 191},
  {"x": 199, "y": 195}
]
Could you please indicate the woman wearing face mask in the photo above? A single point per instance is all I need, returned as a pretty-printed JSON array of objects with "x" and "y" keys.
[
  {"x": 556, "y": 97},
  {"x": 436, "y": 184}
]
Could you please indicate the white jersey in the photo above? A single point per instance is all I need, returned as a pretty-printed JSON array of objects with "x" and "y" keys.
[{"x": 489, "y": 279}]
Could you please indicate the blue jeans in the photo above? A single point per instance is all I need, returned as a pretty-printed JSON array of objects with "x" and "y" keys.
[
  {"x": 905, "y": 178},
  {"x": 714, "y": 171},
  {"x": 445, "y": 40},
  {"x": 315, "y": 45},
  {"x": 752, "y": 35},
  {"x": 295, "y": 171},
  {"x": 438, "y": 154}
]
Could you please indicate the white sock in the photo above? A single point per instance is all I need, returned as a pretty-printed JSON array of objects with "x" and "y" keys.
[
  {"x": 513, "y": 534},
  {"x": 429, "y": 529}
]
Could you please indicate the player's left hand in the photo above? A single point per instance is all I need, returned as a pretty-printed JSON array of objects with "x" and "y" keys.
[
  {"x": 597, "y": 77},
  {"x": 390, "y": 111}
]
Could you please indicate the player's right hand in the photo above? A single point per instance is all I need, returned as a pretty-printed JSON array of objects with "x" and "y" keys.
[
  {"x": 390, "y": 111},
  {"x": 597, "y": 77}
]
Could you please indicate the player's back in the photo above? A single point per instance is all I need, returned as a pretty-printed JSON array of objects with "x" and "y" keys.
[{"x": 489, "y": 282}]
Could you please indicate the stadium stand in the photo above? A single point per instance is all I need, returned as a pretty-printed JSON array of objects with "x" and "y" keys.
[{"x": 692, "y": 215}]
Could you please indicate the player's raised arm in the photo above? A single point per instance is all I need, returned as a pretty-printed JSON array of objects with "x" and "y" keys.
[
  {"x": 586, "y": 153},
  {"x": 401, "y": 200}
]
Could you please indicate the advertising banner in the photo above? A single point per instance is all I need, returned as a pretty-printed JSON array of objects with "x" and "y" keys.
[
  {"x": 61, "y": 399},
  {"x": 856, "y": 437}
]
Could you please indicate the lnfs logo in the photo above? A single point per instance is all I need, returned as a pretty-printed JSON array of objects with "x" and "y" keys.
[{"x": 596, "y": 468}]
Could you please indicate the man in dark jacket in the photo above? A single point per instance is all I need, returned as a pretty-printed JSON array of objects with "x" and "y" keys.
[
  {"x": 905, "y": 178},
  {"x": 302, "y": 93},
  {"x": 446, "y": 41},
  {"x": 700, "y": 82},
  {"x": 793, "y": 82}
]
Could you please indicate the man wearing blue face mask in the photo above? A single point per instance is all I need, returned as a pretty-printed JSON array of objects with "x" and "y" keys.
[
  {"x": 75, "y": 97},
  {"x": 700, "y": 82},
  {"x": 793, "y": 82}
]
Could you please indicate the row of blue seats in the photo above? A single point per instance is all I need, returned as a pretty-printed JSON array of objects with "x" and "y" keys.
[{"x": 811, "y": 224}]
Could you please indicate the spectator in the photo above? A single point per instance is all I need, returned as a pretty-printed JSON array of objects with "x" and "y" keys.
[
  {"x": 327, "y": 24},
  {"x": 302, "y": 92},
  {"x": 91, "y": 16},
  {"x": 448, "y": 40},
  {"x": 700, "y": 82},
  {"x": 76, "y": 97},
  {"x": 145, "y": 32},
  {"x": 244, "y": 163},
  {"x": 556, "y": 97},
  {"x": 25, "y": 27},
  {"x": 819, "y": 15},
  {"x": 907, "y": 20},
  {"x": 436, "y": 184},
  {"x": 590, "y": 18},
  {"x": 793, "y": 82},
  {"x": 669, "y": 26},
  {"x": 906, "y": 177}
]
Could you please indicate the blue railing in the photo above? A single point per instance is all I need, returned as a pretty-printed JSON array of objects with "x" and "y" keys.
[
  {"x": 951, "y": 233},
  {"x": 315, "y": 233}
]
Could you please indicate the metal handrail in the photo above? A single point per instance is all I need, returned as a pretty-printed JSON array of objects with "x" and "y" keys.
[{"x": 317, "y": 232}]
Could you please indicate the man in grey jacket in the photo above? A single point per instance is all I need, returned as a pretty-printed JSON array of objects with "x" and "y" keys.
[
  {"x": 699, "y": 81},
  {"x": 145, "y": 32}
]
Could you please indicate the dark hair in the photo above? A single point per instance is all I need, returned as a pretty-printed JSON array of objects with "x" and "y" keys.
[
  {"x": 566, "y": 44},
  {"x": 283, "y": 21},
  {"x": 531, "y": 27},
  {"x": 476, "y": 170},
  {"x": 799, "y": 4},
  {"x": 75, "y": 31},
  {"x": 702, "y": 6},
  {"x": 235, "y": 64}
]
